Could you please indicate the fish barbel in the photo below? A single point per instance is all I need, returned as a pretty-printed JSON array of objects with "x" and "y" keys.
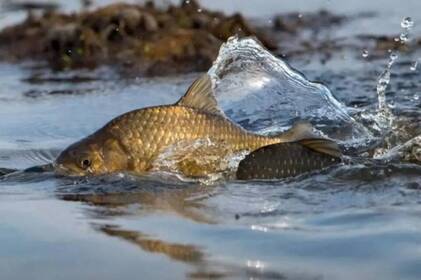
[{"x": 135, "y": 141}]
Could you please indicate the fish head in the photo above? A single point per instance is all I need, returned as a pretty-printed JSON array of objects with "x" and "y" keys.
[{"x": 91, "y": 156}]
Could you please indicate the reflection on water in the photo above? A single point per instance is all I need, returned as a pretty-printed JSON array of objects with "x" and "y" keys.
[
  {"x": 139, "y": 199},
  {"x": 178, "y": 252},
  {"x": 182, "y": 200}
]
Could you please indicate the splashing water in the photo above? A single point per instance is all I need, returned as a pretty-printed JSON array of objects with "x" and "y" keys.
[
  {"x": 384, "y": 117},
  {"x": 365, "y": 53},
  {"x": 407, "y": 23},
  {"x": 195, "y": 157},
  {"x": 383, "y": 81},
  {"x": 264, "y": 94},
  {"x": 414, "y": 66},
  {"x": 407, "y": 152}
]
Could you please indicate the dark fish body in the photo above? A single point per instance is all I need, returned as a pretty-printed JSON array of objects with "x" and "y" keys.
[{"x": 283, "y": 160}]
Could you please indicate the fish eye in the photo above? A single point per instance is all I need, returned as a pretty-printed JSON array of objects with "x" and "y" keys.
[{"x": 85, "y": 163}]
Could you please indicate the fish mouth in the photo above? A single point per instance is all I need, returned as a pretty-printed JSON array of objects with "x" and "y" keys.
[{"x": 62, "y": 170}]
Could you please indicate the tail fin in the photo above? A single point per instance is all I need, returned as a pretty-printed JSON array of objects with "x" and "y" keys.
[
  {"x": 300, "y": 130},
  {"x": 324, "y": 146},
  {"x": 303, "y": 133}
]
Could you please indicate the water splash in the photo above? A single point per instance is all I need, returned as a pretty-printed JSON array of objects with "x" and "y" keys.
[
  {"x": 385, "y": 118},
  {"x": 414, "y": 66},
  {"x": 264, "y": 94},
  {"x": 202, "y": 159},
  {"x": 407, "y": 23},
  {"x": 384, "y": 79},
  {"x": 365, "y": 53},
  {"x": 409, "y": 152},
  {"x": 384, "y": 115}
]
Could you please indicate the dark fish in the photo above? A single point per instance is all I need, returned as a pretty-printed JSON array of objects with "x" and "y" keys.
[{"x": 285, "y": 160}]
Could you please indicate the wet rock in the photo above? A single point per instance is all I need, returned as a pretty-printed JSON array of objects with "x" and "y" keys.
[
  {"x": 132, "y": 37},
  {"x": 236, "y": 24},
  {"x": 149, "y": 23},
  {"x": 169, "y": 53}
]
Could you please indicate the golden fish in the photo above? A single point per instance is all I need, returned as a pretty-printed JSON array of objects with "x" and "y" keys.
[{"x": 138, "y": 140}]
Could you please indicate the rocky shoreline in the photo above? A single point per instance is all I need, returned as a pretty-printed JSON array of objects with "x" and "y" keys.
[
  {"x": 143, "y": 38},
  {"x": 148, "y": 40}
]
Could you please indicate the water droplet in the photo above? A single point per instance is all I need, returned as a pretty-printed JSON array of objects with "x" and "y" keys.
[
  {"x": 365, "y": 53},
  {"x": 407, "y": 23},
  {"x": 416, "y": 97},
  {"x": 404, "y": 37},
  {"x": 199, "y": 10},
  {"x": 382, "y": 84},
  {"x": 393, "y": 56},
  {"x": 414, "y": 66},
  {"x": 383, "y": 81},
  {"x": 300, "y": 15}
]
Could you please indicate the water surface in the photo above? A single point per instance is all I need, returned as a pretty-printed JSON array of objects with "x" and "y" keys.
[{"x": 354, "y": 221}]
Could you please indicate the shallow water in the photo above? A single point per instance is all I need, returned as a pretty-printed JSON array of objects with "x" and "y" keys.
[{"x": 355, "y": 221}]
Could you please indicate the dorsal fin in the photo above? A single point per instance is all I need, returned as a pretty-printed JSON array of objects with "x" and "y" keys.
[
  {"x": 325, "y": 146},
  {"x": 200, "y": 96},
  {"x": 300, "y": 130}
]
